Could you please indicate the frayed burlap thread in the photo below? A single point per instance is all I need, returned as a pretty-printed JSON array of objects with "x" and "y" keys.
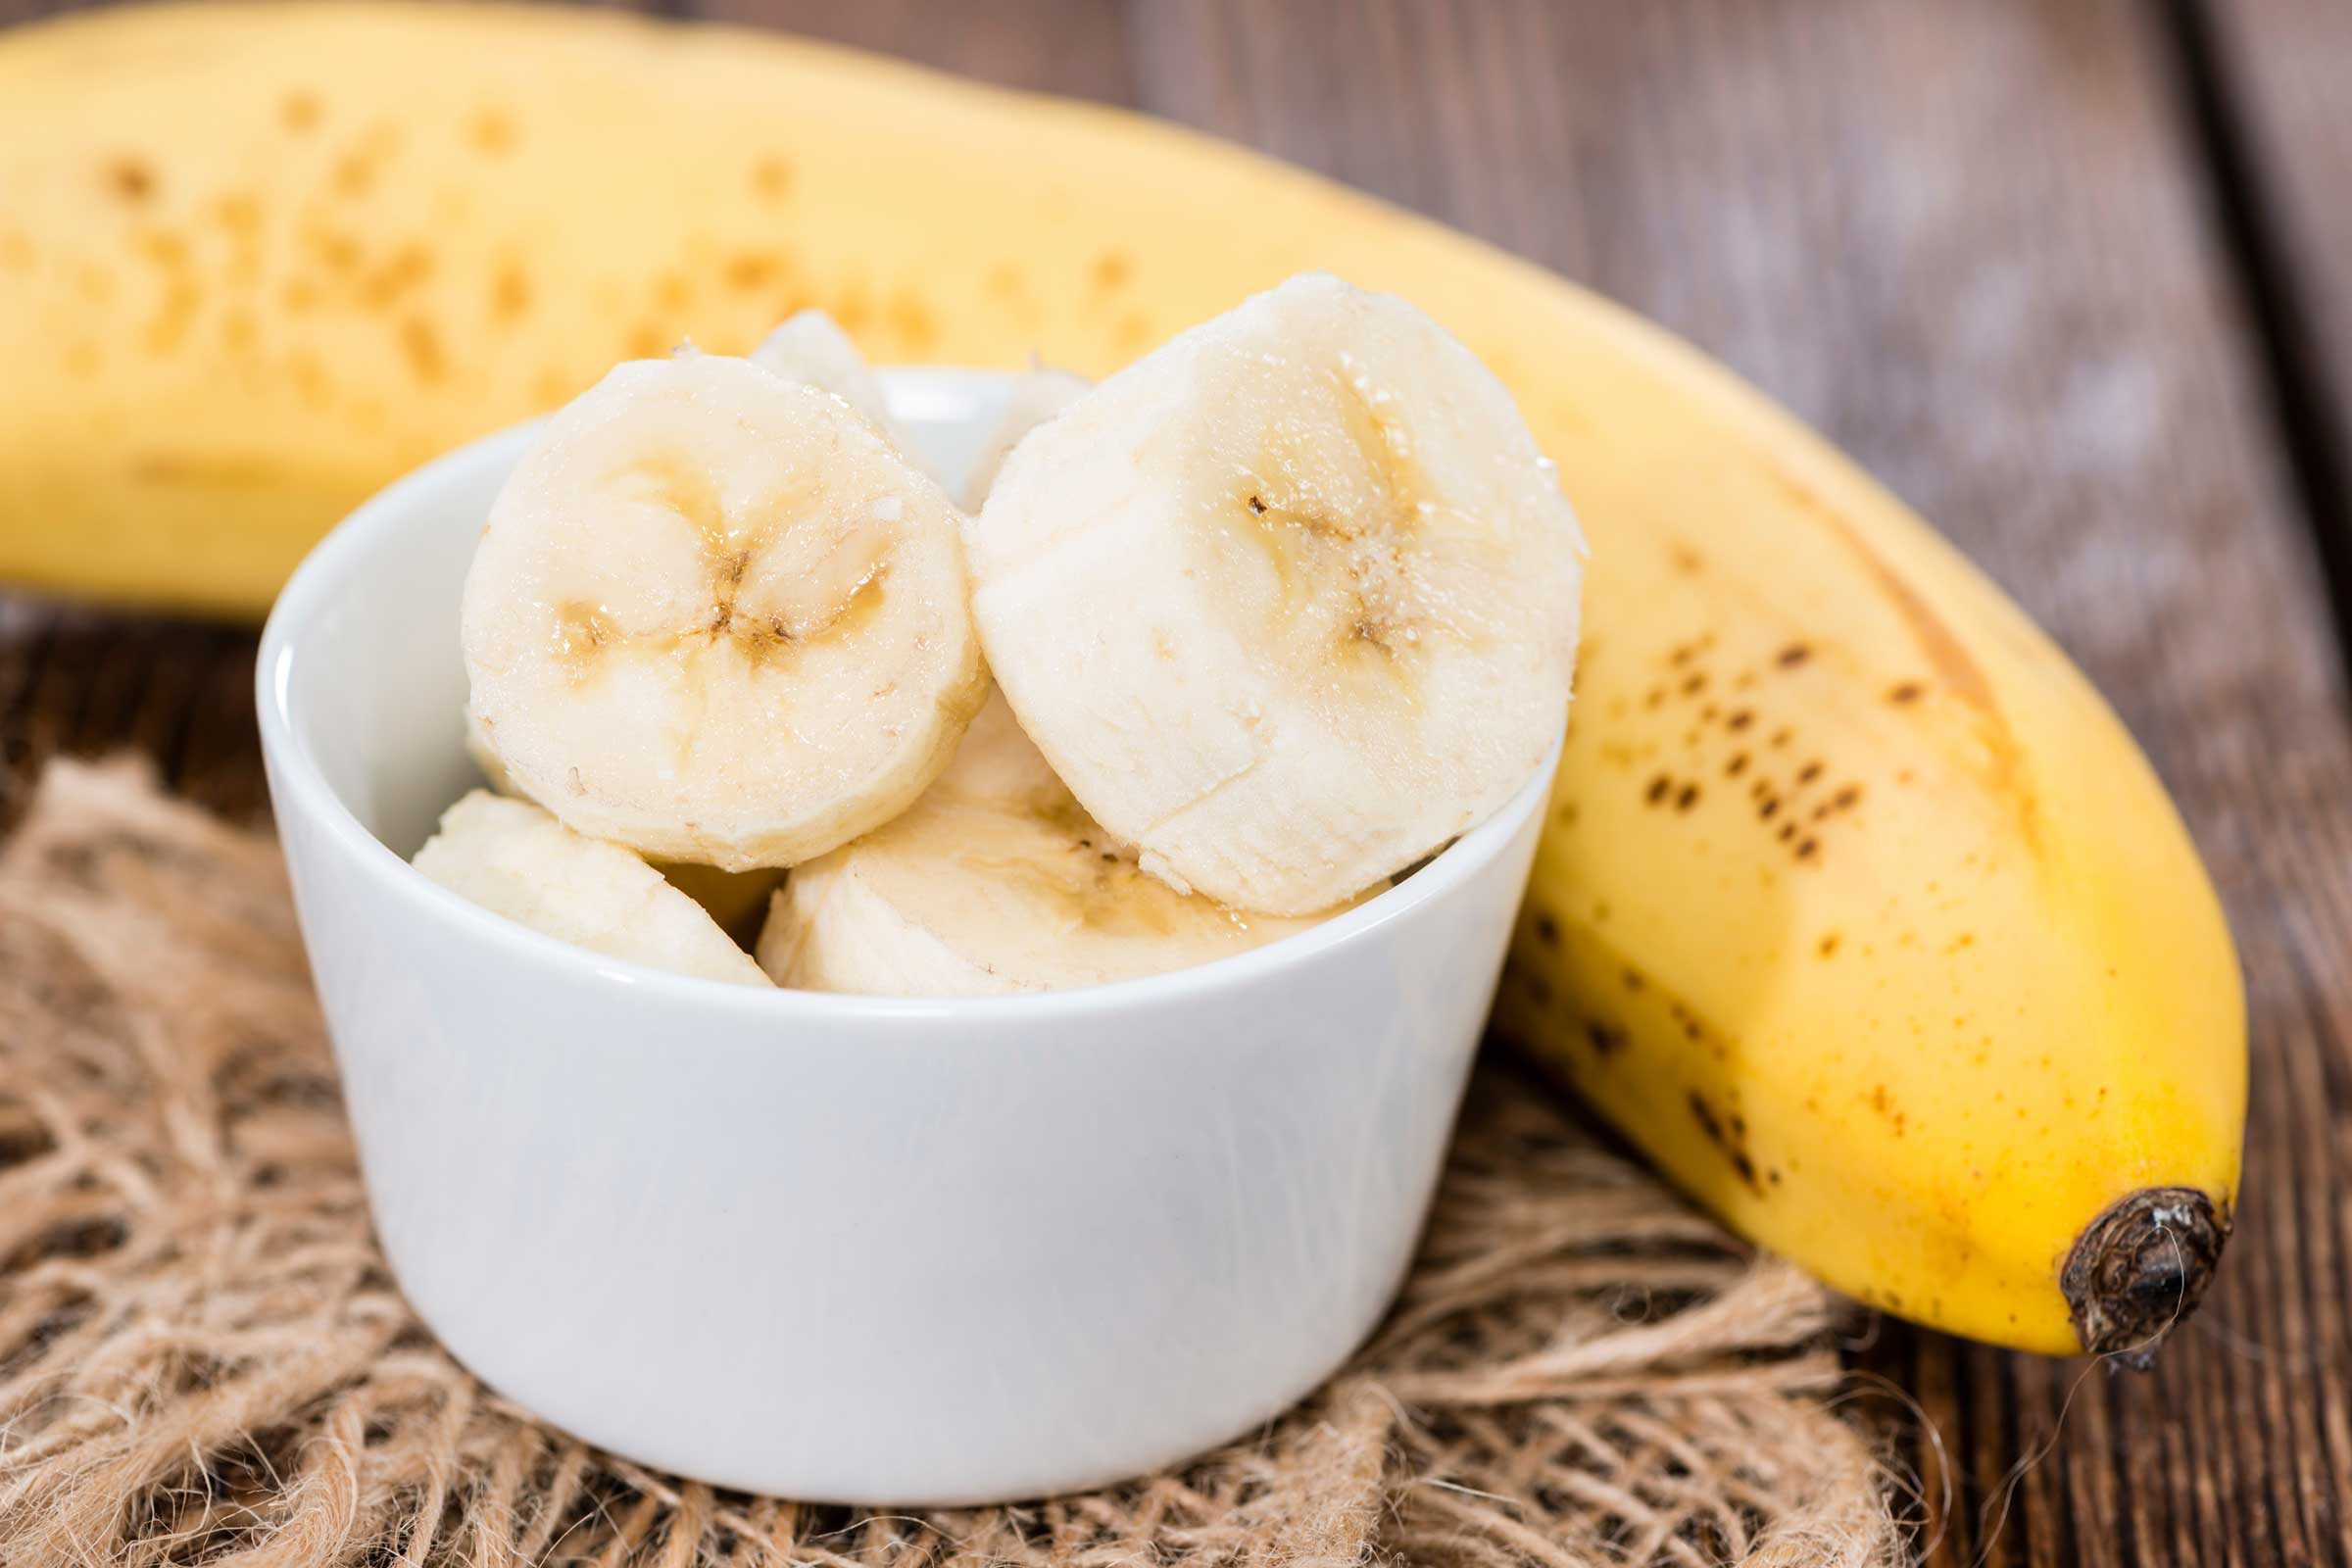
[{"x": 203, "y": 1359}]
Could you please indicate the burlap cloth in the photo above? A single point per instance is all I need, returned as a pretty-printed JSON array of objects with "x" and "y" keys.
[{"x": 204, "y": 1359}]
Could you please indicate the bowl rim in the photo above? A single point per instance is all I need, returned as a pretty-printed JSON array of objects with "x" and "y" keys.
[{"x": 299, "y": 788}]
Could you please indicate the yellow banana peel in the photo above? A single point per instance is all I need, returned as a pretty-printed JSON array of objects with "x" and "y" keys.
[{"x": 1859, "y": 911}]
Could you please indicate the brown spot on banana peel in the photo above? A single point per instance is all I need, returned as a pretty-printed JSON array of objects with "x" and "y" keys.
[
  {"x": 491, "y": 132},
  {"x": 130, "y": 179},
  {"x": 1705, "y": 1117},
  {"x": 1730, "y": 1141},
  {"x": 228, "y": 471},
  {"x": 1111, "y": 270},
  {"x": 299, "y": 111},
  {"x": 771, "y": 177},
  {"x": 2139, "y": 1268},
  {"x": 1949, "y": 657}
]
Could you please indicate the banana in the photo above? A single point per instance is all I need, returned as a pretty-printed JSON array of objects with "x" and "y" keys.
[
  {"x": 485, "y": 760},
  {"x": 715, "y": 618},
  {"x": 1036, "y": 397},
  {"x": 1290, "y": 602},
  {"x": 812, "y": 348},
  {"x": 996, "y": 882},
  {"x": 258, "y": 260},
  {"x": 735, "y": 900},
  {"x": 514, "y": 859},
  {"x": 1859, "y": 913}
]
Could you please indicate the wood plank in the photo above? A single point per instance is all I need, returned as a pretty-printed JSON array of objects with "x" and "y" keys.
[
  {"x": 1076, "y": 48},
  {"x": 2280, "y": 79},
  {"x": 87, "y": 683},
  {"x": 1967, "y": 242}
]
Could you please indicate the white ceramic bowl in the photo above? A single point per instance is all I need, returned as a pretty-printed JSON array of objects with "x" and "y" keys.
[{"x": 852, "y": 1249}]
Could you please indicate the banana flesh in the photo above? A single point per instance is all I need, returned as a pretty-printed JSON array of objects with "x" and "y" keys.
[
  {"x": 715, "y": 616},
  {"x": 1290, "y": 602},
  {"x": 996, "y": 882},
  {"x": 812, "y": 348},
  {"x": 514, "y": 859},
  {"x": 735, "y": 900}
]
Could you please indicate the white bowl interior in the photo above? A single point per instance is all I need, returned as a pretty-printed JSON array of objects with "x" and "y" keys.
[{"x": 394, "y": 750}]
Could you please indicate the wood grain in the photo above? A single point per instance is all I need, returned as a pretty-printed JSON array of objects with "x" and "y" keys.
[
  {"x": 1076, "y": 48},
  {"x": 2281, "y": 72},
  {"x": 1972, "y": 242}
]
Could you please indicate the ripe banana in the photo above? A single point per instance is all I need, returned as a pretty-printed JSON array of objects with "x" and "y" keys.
[
  {"x": 1859, "y": 911},
  {"x": 735, "y": 900},
  {"x": 256, "y": 260},
  {"x": 716, "y": 617},
  {"x": 996, "y": 882},
  {"x": 1288, "y": 603},
  {"x": 513, "y": 859}
]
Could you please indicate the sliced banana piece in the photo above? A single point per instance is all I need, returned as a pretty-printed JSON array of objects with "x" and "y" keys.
[
  {"x": 1288, "y": 601},
  {"x": 485, "y": 760},
  {"x": 997, "y": 761},
  {"x": 1036, "y": 397},
  {"x": 812, "y": 348},
  {"x": 996, "y": 882},
  {"x": 514, "y": 859},
  {"x": 736, "y": 900},
  {"x": 716, "y": 617}
]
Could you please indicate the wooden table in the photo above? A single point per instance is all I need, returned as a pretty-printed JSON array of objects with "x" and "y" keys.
[{"x": 2075, "y": 276}]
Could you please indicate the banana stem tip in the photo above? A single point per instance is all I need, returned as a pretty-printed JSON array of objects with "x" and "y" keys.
[{"x": 2139, "y": 1268}]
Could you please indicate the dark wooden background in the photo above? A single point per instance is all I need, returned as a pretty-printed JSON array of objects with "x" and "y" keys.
[{"x": 2075, "y": 276}]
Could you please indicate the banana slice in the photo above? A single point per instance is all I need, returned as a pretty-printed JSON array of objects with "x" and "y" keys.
[
  {"x": 1036, "y": 397},
  {"x": 812, "y": 348},
  {"x": 996, "y": 882},
  {"x": 514, "y": 859},
  {"x": 485, "y": 760},
  {"x": 1288, "y": 601},
  {"x": 735, "y": 900},
  {"x": 716, "y": 617},
  {"x": 996, "y": 760}
]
